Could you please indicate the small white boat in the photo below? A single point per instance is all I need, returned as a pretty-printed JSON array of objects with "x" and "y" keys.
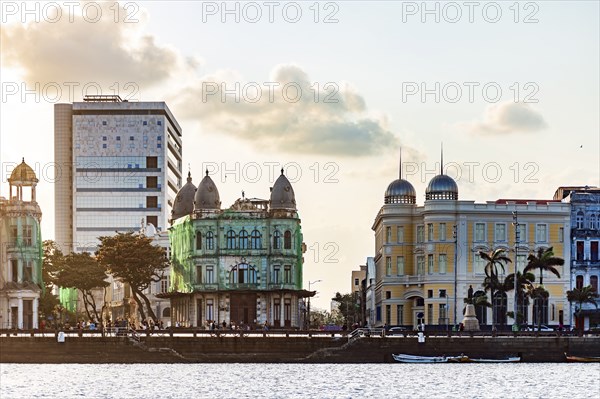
[
  {"x": 402, "y": 358},
  {"x": 466, "y": 359}
]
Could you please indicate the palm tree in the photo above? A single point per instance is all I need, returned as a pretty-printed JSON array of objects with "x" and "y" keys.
[
  {"x": 580, "y": 296},
  {"x": 493, "y": 259},
  {"x": 524, "y": 285},
  {"x": 544, "y": 260},
  {"x": 539, "y": 295}
]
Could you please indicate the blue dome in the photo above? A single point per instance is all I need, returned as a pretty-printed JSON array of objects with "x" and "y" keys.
[{"x": 442, "y": 187}]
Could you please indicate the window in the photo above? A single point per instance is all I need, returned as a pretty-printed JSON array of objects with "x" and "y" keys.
[
  {"x": 14, "y": 266},
  {"x": 243, "y": 239},
  {"x": 429, "y": 293},
  {"x": 500, "y": 232},
  {"x": 594, "y": 251},
  {"x": 430, "y": 264},
  {"x": 388, "y": 314},
  {"x": 198, "y": 240},
  {"x": 287, "y": 240},
  {"x": 430, "y": 232},
  {"x": 522, "y": 232},
  {"x": 103, "y": 123},
  {"x": 388, "y": 234},
  {"x": 131, "y": 138},
  {"x": 442, "y": 232},
  {"x": 592, "y": 222},
  {"x": 540, "y": 305},
  {"x": 594, "y": 282},
  {"x": 579, "y": 222},
  {"x": 152, "y": 220},
  {"x": 104, "y": 138},
  {"x": 420, "y": 234},
  {"x": 164, "y": 284},
  {"x": 255, "y": 240},
  {"x": 579, "y": 282},
  {"x": 287, "y": 312},
  {"x": 442, "y": 293},
  {"x": 442, "y": 263},
  {"x": 579, "y": 250},
  {"x": 388, "y": 266},
  {"x": 28, "y": 271},
  {"x": 400, "y": 234},
  {"x": 158, "y": 145},
  {"x": 388, "y": 294},
  {"x": 151, "y": 182},
  {"x": 277, "y": 311},
  {"x": 210, "y": 311},
  {"x": 400, "y": 265},
  {"x": 159, "y": 123},
  {"x": 242, "y": 273},
  {"x": 198, "y": 274},
  {"x": 151, "y": 202},
  {"x": 104, "y": 146},
  {"x": 521, "y": 262},
  {"x": 429, "y": 313},
  {"x": 209, "y": 278},
  {"x": 118, "y": 138},
  {"x": 479, "y": 232},
  {"x": 479, "y": 264},
  {"x": 356, "y": 282},
  {"x": 419, "y": 302},
  {"x": 159, "y": 138},
  {"x": 561, "y": 234},
  {"x": 400, "y": 314},
  {"x": 14, "y": 234},
  {"x": 541, "y": 233},
  {"x": 210, "y": 240},
  {"x": 145, "y": 123},
  {"x": 27, "y": 236},
  {"x": 276, "y": 240},
  {"x": 287, "y": 274},
  {"x": 443, "y": 318},
  {"x": 420, "y": 265},
  {"x": 152, "y": 162},
  {"x": 230, "y": 239},
  {"x": 275, "y": 276}
]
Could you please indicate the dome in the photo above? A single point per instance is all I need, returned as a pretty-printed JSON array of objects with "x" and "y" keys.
[
  {"x": 400, "y": 191},
  {"x": 207, "y": 195},
  {"x": 282, "y": 194},
  {"x": 23, "y": 175},
  {"x": 184, "y": 200},
  {"x": 441, "y": 187}
]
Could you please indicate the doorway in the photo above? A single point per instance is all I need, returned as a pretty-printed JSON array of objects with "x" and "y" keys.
[{"x": 242, "y": 308}]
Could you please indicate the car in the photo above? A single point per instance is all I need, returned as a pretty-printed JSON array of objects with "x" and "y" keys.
[
  {"x": 544, "y": 328},
  {"x": 396, "y": 331}
]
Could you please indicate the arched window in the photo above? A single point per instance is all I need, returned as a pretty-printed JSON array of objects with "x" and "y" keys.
[
  {"x": 276, "y": 240},
  {"x": 592, "y": 221},
  {"x": 230, "y": 239},
  {"x": 579, "y": 282},
  {"x": 594, "y": 282},
  {"x": 499, "y": 309},
  {"x": 166, "y": 312},
  {"x": 287, "y": 239},
  {"x": 210, "y": 240},
  {"x": 198, "y": 240},
  {"x": 580, "y": 220},
  {"x": 243, "y": 239},
  {"x": 480, "y": 310},
  {"x": 540, "y": 309},
  {"x": 255, "y": 240},
  {"x": 242, "y": 273}
]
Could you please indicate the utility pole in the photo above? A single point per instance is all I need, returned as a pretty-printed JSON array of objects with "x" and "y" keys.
[
  {"x": 455, "y": 236},
  {"x": 515, "y": 326},
  {"x": 308, "y": 307}
]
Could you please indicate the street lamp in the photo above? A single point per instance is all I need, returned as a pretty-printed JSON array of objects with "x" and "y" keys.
[
  {"x": 455, "y": 236},
  {"x": 308, "y": 310},
  {"x": 517, "y": 239}
]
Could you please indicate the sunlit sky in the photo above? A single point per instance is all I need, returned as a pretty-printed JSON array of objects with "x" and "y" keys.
[{"x": 533, "y": 128}]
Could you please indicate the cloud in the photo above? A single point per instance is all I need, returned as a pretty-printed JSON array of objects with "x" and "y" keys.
[
  {"x": 289, "y": 113},
  {"x": 82, "y": 51},
  {"x": 505, "y": 118}
]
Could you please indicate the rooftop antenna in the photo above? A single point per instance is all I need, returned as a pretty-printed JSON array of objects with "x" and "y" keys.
[
  {"x": 400, "y": 172},
  {"x": 442, "y": 160}
]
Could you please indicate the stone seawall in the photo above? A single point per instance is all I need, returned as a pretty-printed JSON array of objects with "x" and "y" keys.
[{"x": 282, "y": 349}]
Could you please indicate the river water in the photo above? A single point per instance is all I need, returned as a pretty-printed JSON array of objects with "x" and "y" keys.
[{"x": 314, "y": 381}]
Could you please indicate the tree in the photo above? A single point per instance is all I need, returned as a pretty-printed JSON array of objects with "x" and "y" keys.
[
  {"x": 539, "y": 295},
  {"x": 580, "y": 296},
  {"x": 48, "y": 301},
  {"x": 134, "y": 260},
  {"x": 83, "y": 272},
  {"x": 493, "y": 259},
  {"x": 524, "y": 284},
  {"x": 544, "y": 260},
  {"x": 348, "y": 307}
]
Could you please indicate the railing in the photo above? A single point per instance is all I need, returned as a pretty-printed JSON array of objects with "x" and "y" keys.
[{"x": 366, "y": 332}]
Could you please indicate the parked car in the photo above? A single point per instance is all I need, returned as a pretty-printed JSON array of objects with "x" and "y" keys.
[
  {"x": 396, "y": 331},
  {"x": 544, "y": 328}
]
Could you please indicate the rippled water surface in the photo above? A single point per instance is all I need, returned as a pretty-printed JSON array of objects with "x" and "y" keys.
[{"x": 423, "y": 381}]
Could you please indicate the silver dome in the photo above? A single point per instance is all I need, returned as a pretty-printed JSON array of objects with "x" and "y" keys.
[
  {"x": 400, "y": 191},
  {"x": 184, "y": 200},
  {"x": 207, "y": 195},
  {"x": 441, "y": 187},
  {"x": 282, "y": 194}
]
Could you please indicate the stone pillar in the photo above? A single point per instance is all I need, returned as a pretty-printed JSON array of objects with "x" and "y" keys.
[
  {"x": 20, "y": 314},
  {"x": 281, "y": 311},
  {"x": 35, "y": 312}
]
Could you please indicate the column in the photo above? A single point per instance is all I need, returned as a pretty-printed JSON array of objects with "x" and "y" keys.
[
  {"x": 281, "y": 311},
  {"x": 20, "y": 313},
  {"x": 35, "y": 312}
]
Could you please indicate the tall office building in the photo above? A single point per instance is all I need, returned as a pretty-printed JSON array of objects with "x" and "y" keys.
[{"x": 119, "y": 165}]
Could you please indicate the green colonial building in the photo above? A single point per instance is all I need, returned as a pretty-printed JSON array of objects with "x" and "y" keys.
[{"x": 241, "y": 265}]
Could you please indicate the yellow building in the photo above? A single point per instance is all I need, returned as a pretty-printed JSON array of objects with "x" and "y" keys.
[{"x": 426, "y": 257}]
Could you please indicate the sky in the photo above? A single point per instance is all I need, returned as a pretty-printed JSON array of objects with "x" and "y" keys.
[{"x": 328, "y": 90}]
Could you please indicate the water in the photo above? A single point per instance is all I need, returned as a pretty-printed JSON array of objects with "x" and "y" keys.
[{"x": 314, "y": 381}]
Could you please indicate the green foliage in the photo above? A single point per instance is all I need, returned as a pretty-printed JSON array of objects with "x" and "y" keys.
[
  {"x": 134, "y": 260},
  {"x": 544, "y": 260},
  {"x": 348, "y": 308}
]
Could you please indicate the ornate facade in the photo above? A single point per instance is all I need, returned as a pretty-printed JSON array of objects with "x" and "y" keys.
[
  {"x": 20, "y": 252},
  {"x": 239, "y": 266}
]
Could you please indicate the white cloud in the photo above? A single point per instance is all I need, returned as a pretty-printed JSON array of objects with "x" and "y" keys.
[{"x": 505, "y": 118}]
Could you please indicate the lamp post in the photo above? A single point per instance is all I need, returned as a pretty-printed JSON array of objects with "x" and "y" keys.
[
  {"x": 517, "y": 239},
  {"x": 455, "y": 236},
  {"x": 308, "y": 308}
]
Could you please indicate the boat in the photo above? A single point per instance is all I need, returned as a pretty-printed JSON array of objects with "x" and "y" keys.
[
  {"x": 402, "y": 358},
  {"x": 582, "y": 359}
]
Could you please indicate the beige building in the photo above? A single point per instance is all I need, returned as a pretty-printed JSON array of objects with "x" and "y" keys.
[{"x": 357, "y": 277}]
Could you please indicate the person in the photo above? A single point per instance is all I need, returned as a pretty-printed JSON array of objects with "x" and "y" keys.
[{"x": 461, "y": 327}]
